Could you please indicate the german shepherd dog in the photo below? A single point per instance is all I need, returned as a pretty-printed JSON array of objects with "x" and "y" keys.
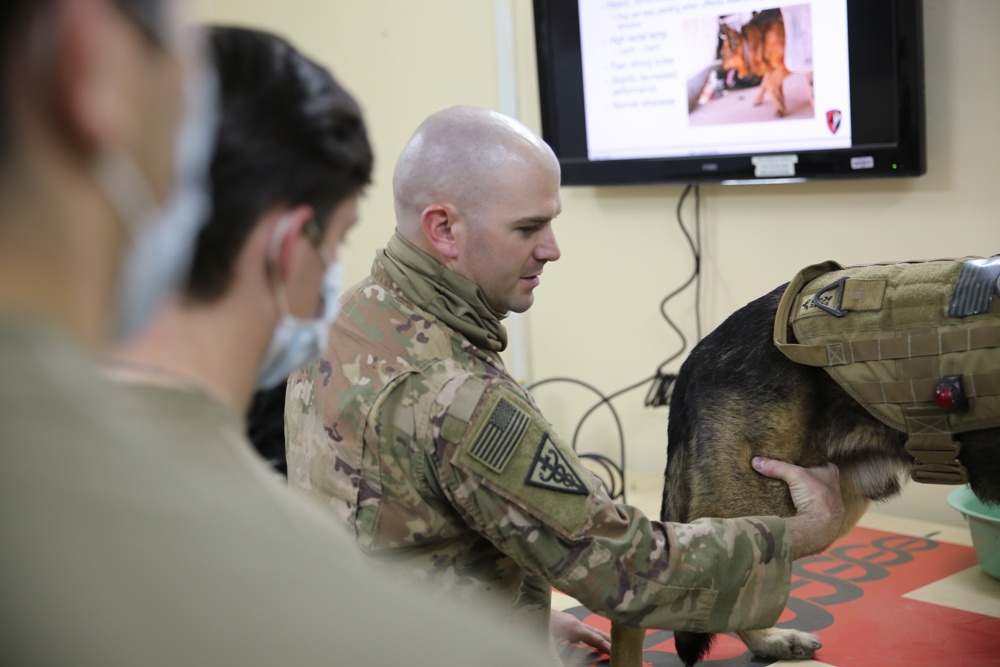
[
  {"x": 759, "y": 50},
  {"x": 738, "y": 396}
]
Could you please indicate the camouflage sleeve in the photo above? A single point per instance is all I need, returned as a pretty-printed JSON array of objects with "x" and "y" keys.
[
  {"x": 515, "y": 482},
  {"x": 535, "y": 594}
]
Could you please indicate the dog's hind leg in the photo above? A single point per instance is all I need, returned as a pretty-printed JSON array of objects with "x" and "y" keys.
[
  {"x": 778, "y": 80},
  {"x": 727, "y": 430},
  {"x": 780, "y": 643},
  {"x": 787, "y": 644},
  {"x": 626, "y": 645},
  {"x": 763, "y": 88},
  {"x": 771, "y": 84}
]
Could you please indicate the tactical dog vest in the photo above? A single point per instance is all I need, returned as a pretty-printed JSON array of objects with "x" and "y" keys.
[{"x": 917, "y": 344}]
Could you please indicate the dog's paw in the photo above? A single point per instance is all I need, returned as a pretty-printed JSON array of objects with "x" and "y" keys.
[{"x": 777, "y": 644}]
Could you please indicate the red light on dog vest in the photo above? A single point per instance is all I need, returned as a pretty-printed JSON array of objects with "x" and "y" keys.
[{"x": 949, "y": 395}]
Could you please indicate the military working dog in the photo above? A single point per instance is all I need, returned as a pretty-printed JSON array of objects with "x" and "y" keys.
[
  {"x": 760, "y": 48},
  {"x": 738, "y": 395}
]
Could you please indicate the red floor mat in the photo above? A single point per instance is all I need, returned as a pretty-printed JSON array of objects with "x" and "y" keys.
[{"x": 852, "y": 597}]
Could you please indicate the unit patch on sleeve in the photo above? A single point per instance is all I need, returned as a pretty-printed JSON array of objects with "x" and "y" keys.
[
  {"x": 551, "y": 470},
  {"x": 521, "y": 461}
]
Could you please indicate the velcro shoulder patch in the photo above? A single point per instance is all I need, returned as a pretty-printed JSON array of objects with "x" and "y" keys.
[
  {"x": 461, "y": 395},
  {"x": 518, "y": 456}
]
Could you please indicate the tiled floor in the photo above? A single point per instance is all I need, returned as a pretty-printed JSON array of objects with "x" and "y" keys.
[{"x": 955, "y": 600}]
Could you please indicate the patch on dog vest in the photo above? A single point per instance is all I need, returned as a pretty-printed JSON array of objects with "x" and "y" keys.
[
  {"x": 974, "y": 290},
  {"x": 917, "y": 344},
  {"x": 551, "y": 470}
]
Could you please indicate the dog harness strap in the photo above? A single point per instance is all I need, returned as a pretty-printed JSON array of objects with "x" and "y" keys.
[
  {"x": 922, "y": 389},
  {"x": 933, "y": 447},
  {"x": 909, "y": 346},
  {"x": 810, "y": 355},
  {"x": 937, "y": 473}
]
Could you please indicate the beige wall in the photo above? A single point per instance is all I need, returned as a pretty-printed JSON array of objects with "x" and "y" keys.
[{"x": 596, "y": 316}]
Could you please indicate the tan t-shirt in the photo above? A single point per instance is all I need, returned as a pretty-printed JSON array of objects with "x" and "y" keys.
[{"x": 140, "y": 529}]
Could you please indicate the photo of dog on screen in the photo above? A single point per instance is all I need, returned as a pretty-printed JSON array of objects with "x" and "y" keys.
[{"x": 760, "y": 67}]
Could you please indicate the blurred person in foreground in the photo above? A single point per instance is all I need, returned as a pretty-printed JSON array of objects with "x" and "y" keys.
[
  {"x": 413, "y": 432},
  {"x": 124, "y": 543}
]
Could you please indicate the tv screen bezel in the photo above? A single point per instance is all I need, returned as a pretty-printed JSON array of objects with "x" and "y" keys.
[{"x": 560, "y": 91}]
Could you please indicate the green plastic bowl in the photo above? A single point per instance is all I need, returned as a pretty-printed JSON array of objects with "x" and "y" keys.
[{"x": 984, "y": 524}]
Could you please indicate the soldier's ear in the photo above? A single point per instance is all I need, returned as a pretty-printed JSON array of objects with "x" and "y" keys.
[
  {"x": 443, "y": 229},
  {"x": 295, "y": 245},
  {"x": 91, "y": 88}
]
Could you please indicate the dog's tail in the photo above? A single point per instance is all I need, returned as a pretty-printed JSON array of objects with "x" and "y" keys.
[{"x": 692, "y": 646}]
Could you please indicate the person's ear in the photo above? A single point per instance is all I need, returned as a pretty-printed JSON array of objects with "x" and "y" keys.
[
  {"x": 92, "y": 88},
  {"x": 291, "y": 240},
  {"x": 442, "y": 228},
  {"x": 300, "y": 264}
]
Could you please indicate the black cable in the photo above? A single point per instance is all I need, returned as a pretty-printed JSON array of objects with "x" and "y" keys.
[
  {"x": 694, "y": 277},
  {"x": 662, "y": 382},
  {"x": 659, "y": 392}
]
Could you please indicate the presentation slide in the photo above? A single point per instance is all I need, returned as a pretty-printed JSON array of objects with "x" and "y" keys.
[{"x": 667, "y": 78}]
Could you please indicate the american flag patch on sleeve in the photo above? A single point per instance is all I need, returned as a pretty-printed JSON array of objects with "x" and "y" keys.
[{"x": 498, "y": 438}]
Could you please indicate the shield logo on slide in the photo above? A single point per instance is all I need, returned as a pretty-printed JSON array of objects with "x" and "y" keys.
[{"x": 833, "y": 120}]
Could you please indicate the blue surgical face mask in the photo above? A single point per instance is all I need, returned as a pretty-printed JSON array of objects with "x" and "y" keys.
[
  {"x": 162, "y": 235},
  {"x": 297, "y": 341}
]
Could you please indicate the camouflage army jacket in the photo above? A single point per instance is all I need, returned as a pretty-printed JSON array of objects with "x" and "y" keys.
[{"x": 440, "y": 462}]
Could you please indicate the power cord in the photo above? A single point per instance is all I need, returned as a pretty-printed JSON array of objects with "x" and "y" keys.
[{"x": 661, "y": 382}]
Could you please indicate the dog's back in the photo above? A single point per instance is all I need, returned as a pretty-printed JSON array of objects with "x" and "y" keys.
[
  {"x": 737, "y": 396},
  {"x": 758, "y": 48}
]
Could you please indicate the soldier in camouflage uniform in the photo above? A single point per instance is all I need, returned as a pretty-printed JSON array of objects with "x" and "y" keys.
[{"x": 413, "y": 432}]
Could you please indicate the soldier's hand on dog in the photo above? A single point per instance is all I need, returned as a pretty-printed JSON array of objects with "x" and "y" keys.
[{"x": 816, "y": 495}]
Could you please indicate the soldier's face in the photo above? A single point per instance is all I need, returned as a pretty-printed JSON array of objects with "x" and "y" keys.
[{"x": 509, "y": 243}]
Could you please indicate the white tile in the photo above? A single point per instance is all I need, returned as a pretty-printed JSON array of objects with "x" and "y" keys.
[
  {"x": 969, "y": 590},
  {"x": 562, "y": 602}
]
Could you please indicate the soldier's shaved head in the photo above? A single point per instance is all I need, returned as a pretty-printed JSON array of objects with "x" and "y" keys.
[{"x": 461, "y": 157}]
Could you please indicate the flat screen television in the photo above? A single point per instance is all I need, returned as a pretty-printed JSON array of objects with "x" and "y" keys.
[{"x": 731, "y": 91}]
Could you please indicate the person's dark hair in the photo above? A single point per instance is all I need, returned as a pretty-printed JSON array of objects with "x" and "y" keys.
[
  {"x": 289, "y": 135},
  {"x": 14, "y": 15}
]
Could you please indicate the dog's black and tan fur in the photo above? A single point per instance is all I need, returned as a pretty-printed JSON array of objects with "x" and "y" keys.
[{"x": 738, "y": 396}]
